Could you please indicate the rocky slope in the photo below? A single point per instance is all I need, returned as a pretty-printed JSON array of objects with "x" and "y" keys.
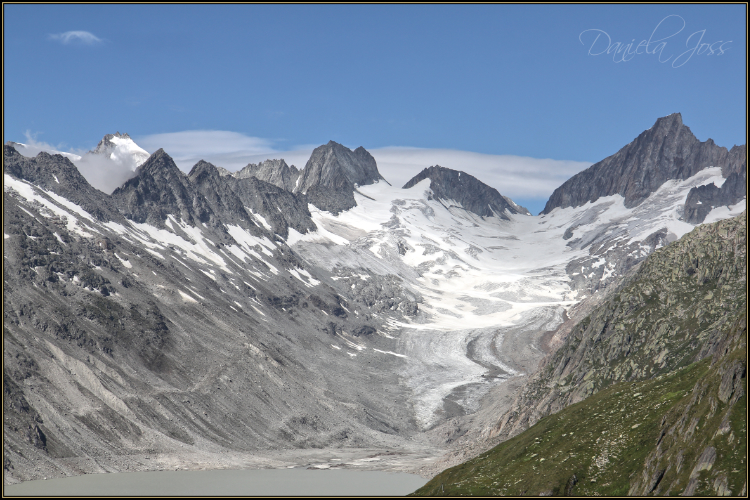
[
  {"x": 58, "y": 175},
  {"x": 658, "y": 375},
  {"x": 673, "y": 312},
  {"x": 333, "y": 173},
  {"x": 452, "y": 186},
  {"x": 174, "y": 331},
  {"x": 668, "y": 150}
]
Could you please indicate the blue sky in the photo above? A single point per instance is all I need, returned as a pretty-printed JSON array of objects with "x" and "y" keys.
[{"x": 526, "y": 81}]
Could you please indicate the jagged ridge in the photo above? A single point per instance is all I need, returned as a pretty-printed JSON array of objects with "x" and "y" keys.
[{"x": 668, "y": 150}]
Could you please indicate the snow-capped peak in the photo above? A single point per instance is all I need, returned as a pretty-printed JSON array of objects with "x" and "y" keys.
[{"x": 121, "y": 149}]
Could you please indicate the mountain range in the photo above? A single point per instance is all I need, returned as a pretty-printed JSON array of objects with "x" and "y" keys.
[{"x": 202, "y": 319}]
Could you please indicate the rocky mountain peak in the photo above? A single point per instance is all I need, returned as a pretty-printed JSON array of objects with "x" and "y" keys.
[
  {"x": 159, "y": 163},
  {"x": 158, "y": 189},
  {"x": 668, "y": 150},
  {"x": 448, "y": 185},
  {"x": 204, "y": 169},
  {"x": 333, "y": 173},
  {"x": 106, "y": 143}
]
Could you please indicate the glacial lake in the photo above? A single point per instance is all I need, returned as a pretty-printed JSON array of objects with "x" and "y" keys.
[{"x": 252, "y": 482}]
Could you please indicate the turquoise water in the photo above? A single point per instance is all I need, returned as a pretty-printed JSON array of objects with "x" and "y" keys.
[{"x": 257, "y": 482}]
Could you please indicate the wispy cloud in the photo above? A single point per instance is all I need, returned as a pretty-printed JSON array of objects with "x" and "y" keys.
[
  {"x": 31, "y": 146},
  {"x": 514, "y": 176},
  {"x": 231, "y": 150},
  {"x": 83, "y": 37}
]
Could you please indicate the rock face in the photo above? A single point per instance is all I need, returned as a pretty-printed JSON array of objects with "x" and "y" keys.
[
  {"x": 238, "y": 200},
  {"x": 473, "y": 195},
  {"x": 702, "y": 199},
  {"x": 649, "y": 325},
  {"x": 159, "y": 189},
  {"x": 668, "y": 150},
  {"x": 204, "y": 328},
  {"x": 333, "y": 173},
  {"x": 275, "y": 172}
]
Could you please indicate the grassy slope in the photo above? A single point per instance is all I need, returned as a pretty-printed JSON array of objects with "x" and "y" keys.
[
  {"x": 600, "y": 445},
  {"x": 654, "y": 416}
]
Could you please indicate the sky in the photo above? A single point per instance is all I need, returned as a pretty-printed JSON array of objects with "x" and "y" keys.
[{"x": 522, "y": 97}]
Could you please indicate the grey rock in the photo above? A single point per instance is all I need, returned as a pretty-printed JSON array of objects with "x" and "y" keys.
[
  {"x": 333, "y": 173},
  {"x": 275, "y": 172},
  {"x": 473, "y": 195},
  {"x": 158, "y": 190},
  {"x": 731, "y": 381},
  {"x": 702, "y": 199},
  {"x": 666, "y": 151},
  {"x": 705, "y": 461},
  {"x": 237, "y": 199}
]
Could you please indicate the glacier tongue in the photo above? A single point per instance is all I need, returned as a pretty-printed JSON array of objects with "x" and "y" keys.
[{"x": 481, "y": 276}]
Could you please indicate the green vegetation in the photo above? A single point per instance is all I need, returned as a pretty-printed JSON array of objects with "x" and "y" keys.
[
  {"x": 646, "y": 396},
  {"x": 601, "y": 446}
]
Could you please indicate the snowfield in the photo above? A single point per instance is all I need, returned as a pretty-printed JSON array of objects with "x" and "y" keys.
[{"x": 483, "y": 277}]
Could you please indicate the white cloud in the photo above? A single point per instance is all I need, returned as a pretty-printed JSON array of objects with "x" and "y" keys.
[
  {"x": 76, "y": 36},
  {"x": 101, "y": 172},
  {"x": 32, "y": 147},
  {"x": 230, "y": 150}
]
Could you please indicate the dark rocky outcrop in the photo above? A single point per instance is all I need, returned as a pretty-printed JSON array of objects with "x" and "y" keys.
[
  {"x": 702, "y": 199},
  {"x": 333, "y": 173},
  {"x": 237, "y": 199},
  {"x": 275, "y": 172},
  {"x": 159, "y": 189},
  {"x": 473, "y": 195},
  {"x": 668, "y": 150}
]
